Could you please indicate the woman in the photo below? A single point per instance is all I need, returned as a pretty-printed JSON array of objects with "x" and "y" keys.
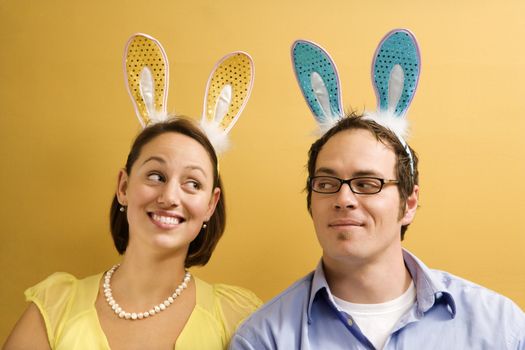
[{"x": 167, "y": 215}]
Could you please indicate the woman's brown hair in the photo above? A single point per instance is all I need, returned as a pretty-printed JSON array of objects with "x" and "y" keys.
[{"x": 201, "y": 248}]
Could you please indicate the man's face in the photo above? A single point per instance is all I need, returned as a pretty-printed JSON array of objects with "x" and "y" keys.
[{"x": 359, "y": 227}]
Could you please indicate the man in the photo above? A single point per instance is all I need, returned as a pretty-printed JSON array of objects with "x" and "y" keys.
[{"x": 368, "y": 292}]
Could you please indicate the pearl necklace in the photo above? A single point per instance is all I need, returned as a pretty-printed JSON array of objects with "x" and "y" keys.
[{"x": 139, "y": 316}]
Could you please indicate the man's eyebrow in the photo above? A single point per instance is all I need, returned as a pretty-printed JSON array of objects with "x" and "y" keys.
[
  {"x": 332, "y": 172},
  {"x": 325, "y": 171},
  {"x": 366, "y": 173}
]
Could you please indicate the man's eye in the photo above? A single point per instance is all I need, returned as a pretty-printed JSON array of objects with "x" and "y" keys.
[
  {"x": 367, "y": 184},
  {"x": 326, "y": 185}
]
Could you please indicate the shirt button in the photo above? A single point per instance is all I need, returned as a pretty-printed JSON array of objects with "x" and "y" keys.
[{"x": 350, "y": 322}]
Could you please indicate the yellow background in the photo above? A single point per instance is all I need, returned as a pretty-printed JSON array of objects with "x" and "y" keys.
[{"x": 67, "y": 123}]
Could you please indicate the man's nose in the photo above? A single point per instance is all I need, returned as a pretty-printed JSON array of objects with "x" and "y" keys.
[{"x": 345, "y": 198}]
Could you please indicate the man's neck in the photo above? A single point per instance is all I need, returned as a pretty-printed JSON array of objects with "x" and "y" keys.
[{"x": 371, "y": 282}]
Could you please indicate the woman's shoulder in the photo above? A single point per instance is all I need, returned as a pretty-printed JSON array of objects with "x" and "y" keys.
[
  {"x": 60, "y": 296},
  {"x": 235, "y": 295},
  {"x": 226, "y": 294},
  {"x": 59, "y": 285},
  {"x": 55, "y": 286},
  {"x": 232, "y": 304}
]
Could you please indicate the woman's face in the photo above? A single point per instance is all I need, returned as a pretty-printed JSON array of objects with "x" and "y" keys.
[{"x": 169, "y": 193}]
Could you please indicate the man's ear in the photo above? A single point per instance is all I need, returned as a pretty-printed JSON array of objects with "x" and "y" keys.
[
  {"x": 122, "y": 187},
  {"x": 411, "y": 207}
]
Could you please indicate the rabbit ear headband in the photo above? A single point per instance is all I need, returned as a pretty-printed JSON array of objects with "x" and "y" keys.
[
  {"x": 228, "y": 89},
  {"x": 395, "y": 74}
]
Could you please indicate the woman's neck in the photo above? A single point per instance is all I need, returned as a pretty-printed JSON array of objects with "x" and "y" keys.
[{"x": 144, "y": 279}]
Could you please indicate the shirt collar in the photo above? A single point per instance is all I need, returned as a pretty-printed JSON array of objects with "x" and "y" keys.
[
  {"x": 429, "y": 289},
  {"x": 319, "y": 283}
]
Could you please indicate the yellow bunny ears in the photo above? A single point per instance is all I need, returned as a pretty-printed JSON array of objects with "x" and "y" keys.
[{"x": 227, "y": 92}]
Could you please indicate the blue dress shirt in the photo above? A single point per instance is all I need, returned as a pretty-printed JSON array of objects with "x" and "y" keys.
[{"x": 449, "y": 313}]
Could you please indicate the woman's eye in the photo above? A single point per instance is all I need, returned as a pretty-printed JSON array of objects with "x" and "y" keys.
[
  {"x": 192, "y": 185},
  {"x": 155, "y": 177}
]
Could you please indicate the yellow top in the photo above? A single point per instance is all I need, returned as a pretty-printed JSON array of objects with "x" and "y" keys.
[{"x": 68, "y": 308}]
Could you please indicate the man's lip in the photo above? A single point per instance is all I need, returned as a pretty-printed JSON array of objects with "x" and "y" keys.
[{"x": 345, "y": 222}]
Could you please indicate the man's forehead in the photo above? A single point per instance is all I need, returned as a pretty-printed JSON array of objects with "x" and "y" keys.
[{"x": 357, "y": 151}]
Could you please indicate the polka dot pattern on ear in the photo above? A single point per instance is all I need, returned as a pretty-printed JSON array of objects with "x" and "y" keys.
[
  {"x": 235, "y": 72},
  {"x": 399, "y": 47},
  {"x": 308, "y": 58},
  {"x": 141, "y": 52}
]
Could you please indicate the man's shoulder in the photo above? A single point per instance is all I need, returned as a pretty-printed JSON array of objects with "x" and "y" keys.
[
  {"x": 288, "y": 304},
  {"x": 472, "y": 297},
  {"x": 465, "y": 294},
  {"x": 279, "y": 321},
  {"x": 456, "y": 284}
]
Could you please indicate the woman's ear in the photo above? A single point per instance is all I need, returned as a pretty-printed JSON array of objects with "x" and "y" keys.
[
  {"x": 215, "y": 196},
  {"x": 122, "y": 187},
  {"x": 411, "y": 207}
]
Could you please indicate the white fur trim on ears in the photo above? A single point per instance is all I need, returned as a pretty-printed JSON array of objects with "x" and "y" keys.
[
  {"x": 216, "y": 135},
  {"x": 325, "y": 125},
  {"x": 158, "y": 117},
  {"x": 399, "y": 125}
]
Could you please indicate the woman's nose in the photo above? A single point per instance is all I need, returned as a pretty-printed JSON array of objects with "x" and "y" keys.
[{"x": 170, "y": 194}]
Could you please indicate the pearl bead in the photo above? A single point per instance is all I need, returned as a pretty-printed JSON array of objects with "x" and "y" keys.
[{"x": 141, "y": 315}]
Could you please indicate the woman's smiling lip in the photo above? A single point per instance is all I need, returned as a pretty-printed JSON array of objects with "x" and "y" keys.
[{"x": 166, "y": 219}]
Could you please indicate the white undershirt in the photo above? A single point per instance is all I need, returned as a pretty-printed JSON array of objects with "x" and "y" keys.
[{"x": 376, "y": 321}]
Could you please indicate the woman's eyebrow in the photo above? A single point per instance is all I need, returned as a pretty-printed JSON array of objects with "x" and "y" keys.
[
  {"x": 198, "y": 168},
  {"x": 158, "y": 159}
]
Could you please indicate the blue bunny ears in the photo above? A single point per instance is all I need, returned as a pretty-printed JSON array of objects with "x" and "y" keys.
[
  {"x": 319, "y": 82},
  {"x": 395, "y": 74}
]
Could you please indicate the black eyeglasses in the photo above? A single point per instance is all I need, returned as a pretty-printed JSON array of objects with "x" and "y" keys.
[{"x": 358, "y": 185}]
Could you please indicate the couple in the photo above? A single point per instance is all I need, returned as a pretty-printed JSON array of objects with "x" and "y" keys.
[{"x": 366, "y": 293}]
